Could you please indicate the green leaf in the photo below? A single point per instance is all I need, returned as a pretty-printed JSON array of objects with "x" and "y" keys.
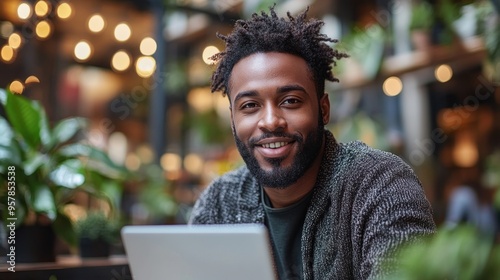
[
  {"x": 75, "y": 150},
  {"x": 112, "y": 191},
  {"x": 10, "y": 155},
  {"x": 44, "y": 131},
  {"x": 66, "y": 129},
  {"x": 34, "y": 162},
  {"x": 68, "y": 174},
  {"x": 24, "y": 118},
  {"x": 7, "y": 134},
  {"x": 64, "y": 228},
  {"x": 43, "y": 201}
]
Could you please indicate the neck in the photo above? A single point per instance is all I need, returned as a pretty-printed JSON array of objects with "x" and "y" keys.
[{"x": 283, "y": 197}]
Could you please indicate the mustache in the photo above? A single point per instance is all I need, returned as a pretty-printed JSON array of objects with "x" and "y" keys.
[{"x": 294, "y": 137}]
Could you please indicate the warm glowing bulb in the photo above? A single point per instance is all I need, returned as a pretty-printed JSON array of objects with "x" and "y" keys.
[
  {"x": 120, "y": 61},
  {"x": 170, "y": 162},
  {"x": 96, "y": 23},
  {"x": 443, "y": 73},
  {"x": 7, "y": 53},
  {"x": 392, "y": 86},
  {"x": 42, "y": 8},
  {"x": 16, "y": 87},
  {"x": 15, "y": 40},
  {"x": 64, "y": 10},
  {"x": 83, "y": 50},
  {"x": 122, "y": 32},
  {"x": 32, "y": 80},
  {"x": 145, "y": 66},
  {"x": 148, "y": 46},
  {"x": 208, "y": 52},
  {"x": 43, "y": 29},
  {"x": 24, "y": 11}
]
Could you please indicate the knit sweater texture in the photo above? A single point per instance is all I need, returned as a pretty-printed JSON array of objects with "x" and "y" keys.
[{"x": 364, "y": 204}]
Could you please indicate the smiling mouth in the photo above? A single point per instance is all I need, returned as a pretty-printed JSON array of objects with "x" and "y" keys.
[{"x": 274, "y": 145}]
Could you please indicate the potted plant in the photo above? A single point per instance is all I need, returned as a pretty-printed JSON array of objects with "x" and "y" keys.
[
  {"x": 41, "y": 169},
  {"x": 421, "y": 22},
  {"x": 96, "y": 233}
]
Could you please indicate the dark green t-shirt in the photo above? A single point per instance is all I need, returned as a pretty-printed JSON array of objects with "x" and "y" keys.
[{"x": 285, "y": 230}]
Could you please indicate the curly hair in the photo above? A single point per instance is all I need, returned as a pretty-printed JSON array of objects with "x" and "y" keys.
[{"x": 270, "y": 33}]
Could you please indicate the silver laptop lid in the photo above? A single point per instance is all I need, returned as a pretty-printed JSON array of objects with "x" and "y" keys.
[{"x": 194, "y": 252}]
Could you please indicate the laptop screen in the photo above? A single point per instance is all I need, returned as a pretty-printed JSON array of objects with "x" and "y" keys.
[{"x": 190, "y": 252}]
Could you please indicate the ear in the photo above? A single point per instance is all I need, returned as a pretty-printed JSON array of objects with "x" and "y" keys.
[{"x": 324, "y": 104}]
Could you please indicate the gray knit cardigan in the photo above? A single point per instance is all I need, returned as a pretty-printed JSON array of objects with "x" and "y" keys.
[{"x": 365, "y": 203}]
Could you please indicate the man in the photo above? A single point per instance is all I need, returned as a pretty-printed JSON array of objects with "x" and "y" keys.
[{"x": 333, "y": 210}]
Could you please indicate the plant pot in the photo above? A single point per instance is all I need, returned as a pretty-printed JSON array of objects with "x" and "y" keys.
[
  {"x": 93, "y": 248},
  {"x": 35, "y": 243}
]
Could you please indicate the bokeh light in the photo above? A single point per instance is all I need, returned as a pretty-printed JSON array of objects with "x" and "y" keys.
[
  {"x": 121, "y": 61},
  {"x": 443, "y": 73},
  {"x": 43, "y": 29},
  {"x": 64, "y": 10},
  {"x": 209, "y": 52},
  {"x": 122, "y": 32},
  {"x": 145, "y": 66},
  {"x": 83, "y": 51},
  {"x": 96, "y": 23},
  {"x": 24, "y": 11},
  {"x": 7, "y": 54},
  {"x": 392, "y": 86},
  {"x": 148, "y": 46},
  {"x": 16, "y": 87},
  {"x": 42, "y": 8},
  {"x": 15, "y": 40}
]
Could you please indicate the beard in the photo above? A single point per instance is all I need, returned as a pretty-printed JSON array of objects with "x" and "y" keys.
[{"x": 280, "y": 177}]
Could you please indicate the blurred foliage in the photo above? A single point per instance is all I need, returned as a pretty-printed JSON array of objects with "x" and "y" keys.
[
  {"x": 361, "y": 127},
  {"x": 51, "y": 166},
  {"x": 366, "y": 46},
  {"x": 209, "y": 125},
  {"x": 97, "y": 226},
  {"x": 155, "y": 192},
  {"x": 460, "y": 253},
  {"x": 422, "y": 16}
]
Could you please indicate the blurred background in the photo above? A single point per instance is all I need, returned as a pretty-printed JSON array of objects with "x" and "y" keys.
[{"x": 421, "y": 82}]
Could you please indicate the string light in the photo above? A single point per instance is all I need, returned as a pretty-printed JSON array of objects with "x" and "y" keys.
[
  {"x": 83, "y": 50},
  {"x": 64, "y": 10},
  {"x": 42, "y": 8},
  {"x": 209, "y": 52},
  {"x": 443, "y": 73},
  {"x": 392, "y": 86},
  {"x": 148, "y": 46},
  {"x": 24, "y": 11},
  {"x": 43, "y": 29},
  {"x": 96, "y": 23},
  {"x": 15, "y": 40},
  {"x": 16, "y": 87},
  {"x": 145, "y": 66},
  {"x": 120, "y": 61},
  {"x": 7, "y": 54},
  {"x": 122, "y": 32}
]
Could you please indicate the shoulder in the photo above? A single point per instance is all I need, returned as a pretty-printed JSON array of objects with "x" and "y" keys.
[
  {"x": 366, "y": 159},
  {"x": 222, "y": 194}
]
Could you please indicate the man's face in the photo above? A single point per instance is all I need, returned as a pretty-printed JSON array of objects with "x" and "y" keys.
[{"x": 277, "y": 120}]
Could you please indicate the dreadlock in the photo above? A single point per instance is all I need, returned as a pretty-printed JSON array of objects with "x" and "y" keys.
[{"x": 269, "y": 33}]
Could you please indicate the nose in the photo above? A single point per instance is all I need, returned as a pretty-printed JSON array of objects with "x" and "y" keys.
[{"x": 272, "y": 120}]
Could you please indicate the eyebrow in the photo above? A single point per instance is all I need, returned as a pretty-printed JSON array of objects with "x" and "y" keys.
[{"x": 280, "y": 90}]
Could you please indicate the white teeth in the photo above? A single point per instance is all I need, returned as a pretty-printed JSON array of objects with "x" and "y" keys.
[{"x": 274, "y": 145}]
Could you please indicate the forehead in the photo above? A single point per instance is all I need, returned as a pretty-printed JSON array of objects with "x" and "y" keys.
[{"x": 271, "y": 69}]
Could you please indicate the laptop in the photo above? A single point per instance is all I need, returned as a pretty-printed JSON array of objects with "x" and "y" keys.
[{"x": 198, "y": 252}]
